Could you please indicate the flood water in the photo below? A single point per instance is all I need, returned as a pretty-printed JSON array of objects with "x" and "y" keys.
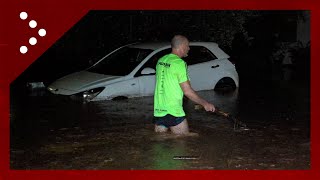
[{"x": 52, "y": 132}]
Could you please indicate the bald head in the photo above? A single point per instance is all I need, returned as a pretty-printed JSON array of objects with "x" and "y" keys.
[
  {"x": 177, "y": 41},
  {"x": 180, "y": 45}
]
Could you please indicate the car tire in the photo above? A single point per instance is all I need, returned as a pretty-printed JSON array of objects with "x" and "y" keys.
[{"x": 225, "y": 84}]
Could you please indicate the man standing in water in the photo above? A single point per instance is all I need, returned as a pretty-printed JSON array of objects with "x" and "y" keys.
[{"x": 172, "y": 82}]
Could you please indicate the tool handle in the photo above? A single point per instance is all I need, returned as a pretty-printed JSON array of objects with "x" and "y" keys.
[
  {"x": 217, "y": 111},
  {"x": 236, "y": 123}
]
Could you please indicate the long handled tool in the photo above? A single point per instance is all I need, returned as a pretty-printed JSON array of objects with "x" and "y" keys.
[{"x": 237, "y": 124}]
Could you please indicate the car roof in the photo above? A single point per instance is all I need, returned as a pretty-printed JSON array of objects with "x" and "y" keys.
[
  {"x": 158, "y": 45},
  {"x": 149, "y": 45},
  {"x": 219, "y": 53}
]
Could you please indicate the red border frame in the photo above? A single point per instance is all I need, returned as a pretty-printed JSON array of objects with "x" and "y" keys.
[{"x": 60, "y": 15}]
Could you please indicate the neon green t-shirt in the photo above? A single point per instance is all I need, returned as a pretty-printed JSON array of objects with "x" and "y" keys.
[{"x": 171, "y": 70}]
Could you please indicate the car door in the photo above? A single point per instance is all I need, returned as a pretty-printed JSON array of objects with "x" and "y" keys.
[
  {"x": 147, "y": 82},
  {"x": 202, "y": 68}
]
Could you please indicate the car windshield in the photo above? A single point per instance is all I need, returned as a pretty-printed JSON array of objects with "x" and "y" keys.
[{"x": 121, "y": 62}]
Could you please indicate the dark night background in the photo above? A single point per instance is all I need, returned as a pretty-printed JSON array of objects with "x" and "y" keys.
[
  {"x": 52, "y": 132},
  {"x": 256, "y": 40}
]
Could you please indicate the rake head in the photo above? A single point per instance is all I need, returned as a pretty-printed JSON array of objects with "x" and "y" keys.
[{"x": 237, "y": 124}]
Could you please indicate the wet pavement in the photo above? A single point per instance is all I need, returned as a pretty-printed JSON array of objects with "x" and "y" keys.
[{"x": 50, "y": 132}]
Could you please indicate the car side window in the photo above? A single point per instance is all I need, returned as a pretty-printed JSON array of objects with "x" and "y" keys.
[
  {"x": 152, "y": 62},
  {"x": 199, "y": 54}
]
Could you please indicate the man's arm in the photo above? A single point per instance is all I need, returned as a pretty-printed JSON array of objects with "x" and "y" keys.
[{"x": 193, "y": 96}]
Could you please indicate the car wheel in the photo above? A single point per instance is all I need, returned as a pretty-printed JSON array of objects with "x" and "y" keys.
[{"x": 225, "y": 84}]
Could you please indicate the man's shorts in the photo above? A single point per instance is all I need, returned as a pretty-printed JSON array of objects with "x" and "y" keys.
[{"x": 168, "y": 120}]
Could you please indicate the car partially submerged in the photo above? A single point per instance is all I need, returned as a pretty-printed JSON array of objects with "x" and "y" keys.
[{"x": 129, "y": 71}]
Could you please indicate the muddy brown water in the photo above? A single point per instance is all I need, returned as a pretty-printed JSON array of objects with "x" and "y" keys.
[{"x": 50, "y": 132}]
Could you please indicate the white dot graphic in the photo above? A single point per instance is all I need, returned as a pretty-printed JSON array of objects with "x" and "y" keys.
[
  {"x": 33, "y": 41},
  {"x": 23, "y": 49},
  {"x": 33, "y": 23},
  {"x": 42, "y": 32},
  {"x": 23, "y": 15}
]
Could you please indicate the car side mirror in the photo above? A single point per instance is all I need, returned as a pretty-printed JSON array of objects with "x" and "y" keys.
[{"x": 148, "y": 71}]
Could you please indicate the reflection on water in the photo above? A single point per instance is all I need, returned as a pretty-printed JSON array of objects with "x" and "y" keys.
[
  {"x": 50, "y": 132},
  {"x": 163, "y": 155}
]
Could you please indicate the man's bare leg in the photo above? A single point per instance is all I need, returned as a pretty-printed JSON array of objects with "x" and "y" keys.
[
  {"x": 160, "y": 129},
  {"x": 180, "y": 129}
]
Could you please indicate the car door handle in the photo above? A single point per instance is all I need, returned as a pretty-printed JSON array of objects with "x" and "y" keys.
[{"x": 215, "y": 66}]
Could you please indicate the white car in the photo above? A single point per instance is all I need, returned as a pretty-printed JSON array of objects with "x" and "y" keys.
[{"x": 129, "y": 71}]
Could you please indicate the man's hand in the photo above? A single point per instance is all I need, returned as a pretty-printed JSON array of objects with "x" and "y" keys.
[
  {"x": 209, "y": 107},
  {"x": 191, "y": 94}
]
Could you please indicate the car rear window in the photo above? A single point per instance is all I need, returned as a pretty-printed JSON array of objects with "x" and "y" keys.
[
  {"x": 121, "y": 62},
  {"x": 199, "y": 54}
]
